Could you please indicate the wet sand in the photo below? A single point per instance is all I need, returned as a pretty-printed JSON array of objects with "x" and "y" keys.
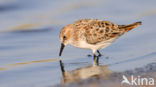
[{"x": 106, "y": 78}]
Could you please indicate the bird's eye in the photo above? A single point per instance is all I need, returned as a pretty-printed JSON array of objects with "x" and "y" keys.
[{"x": 64, "y": 37}]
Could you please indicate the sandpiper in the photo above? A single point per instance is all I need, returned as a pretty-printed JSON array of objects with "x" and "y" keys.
[{"x": 92, "y": 34}]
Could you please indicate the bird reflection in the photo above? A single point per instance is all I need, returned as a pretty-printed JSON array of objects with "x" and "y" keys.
[{"x": 94, "y": 70}]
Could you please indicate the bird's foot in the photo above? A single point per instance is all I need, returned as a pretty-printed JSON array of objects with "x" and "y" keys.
[
  {"x": 89, "y": 55},
  {"x": 97, "y": 56}
]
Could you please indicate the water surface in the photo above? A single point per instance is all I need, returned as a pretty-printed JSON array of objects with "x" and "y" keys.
[{"x": 29, "y": 34}]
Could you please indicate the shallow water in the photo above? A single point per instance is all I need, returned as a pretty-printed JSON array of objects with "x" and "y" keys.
[{"x": 30, "y": 45}]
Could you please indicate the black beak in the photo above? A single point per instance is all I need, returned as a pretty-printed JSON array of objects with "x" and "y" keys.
[{"x": 61, "y": 49}]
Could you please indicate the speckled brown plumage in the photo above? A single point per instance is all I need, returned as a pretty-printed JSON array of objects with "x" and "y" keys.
[{"x": 100, "y": 30}]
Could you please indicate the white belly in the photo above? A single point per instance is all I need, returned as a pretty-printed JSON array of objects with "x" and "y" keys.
[
  {"x": 85, "y": 45},
  {"x": 101, "y": 45}
]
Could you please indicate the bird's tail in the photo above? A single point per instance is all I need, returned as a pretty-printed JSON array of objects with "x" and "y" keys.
[{"x": 130, "y": 26}]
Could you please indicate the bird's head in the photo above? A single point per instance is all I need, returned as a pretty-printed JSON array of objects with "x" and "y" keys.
[{"x": 65, "y": 37}]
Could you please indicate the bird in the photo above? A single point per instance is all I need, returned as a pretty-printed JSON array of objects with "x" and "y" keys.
[{"x": 93, "y": 34}]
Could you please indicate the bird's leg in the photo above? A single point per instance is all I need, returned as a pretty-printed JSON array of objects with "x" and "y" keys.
[
  {"x": 99, "y": 54},
  {"x": 97, "y": 60},
  {"x": 94, "y": 57}
]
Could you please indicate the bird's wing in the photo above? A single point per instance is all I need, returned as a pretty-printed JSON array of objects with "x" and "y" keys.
[{"x": 98, "y": 30}]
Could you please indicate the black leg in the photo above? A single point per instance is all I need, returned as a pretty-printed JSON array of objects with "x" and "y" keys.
[
  {"x": 97, "y": 60},
  {"x": 94, "y": 57},
  {"x": 99, "y": 54}
]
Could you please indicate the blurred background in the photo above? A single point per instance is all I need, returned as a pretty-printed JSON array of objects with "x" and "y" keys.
[{"x": 29, "y": 43}]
